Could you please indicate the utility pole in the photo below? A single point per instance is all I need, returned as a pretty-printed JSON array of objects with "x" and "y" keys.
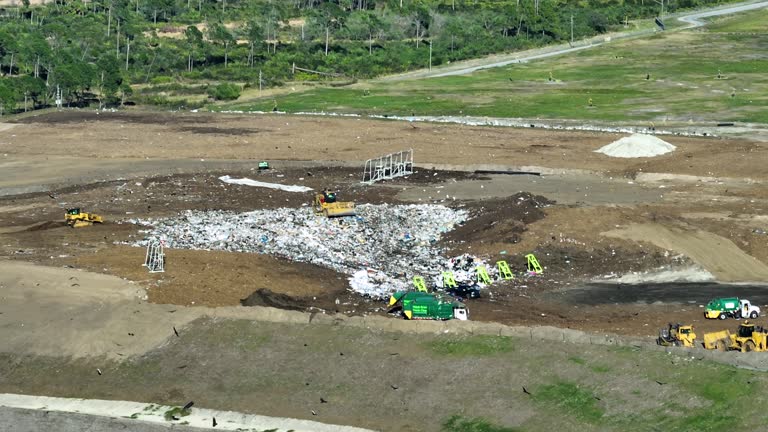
[
  {"x": 260, "y": 80},
  {"x": 571, "y": 29},
  {"x": 127, "y": 52},
  {"x": 430, "y": 54}
]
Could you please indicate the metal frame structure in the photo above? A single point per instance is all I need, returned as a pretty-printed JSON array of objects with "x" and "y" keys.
[
  {"x": 154, "y": 261},
  {"x": 389, "y": 166}
]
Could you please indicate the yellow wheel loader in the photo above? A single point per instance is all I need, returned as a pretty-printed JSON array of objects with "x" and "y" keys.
[
  {"x": 77, "y": 219},
  {"x": 749, "y": 337},
  {"x": 677, "y": 335},
  {"x": 326, "y": 204}
]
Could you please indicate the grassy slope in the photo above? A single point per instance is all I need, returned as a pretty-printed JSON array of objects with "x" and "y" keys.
[
  {"x": 403, "y": 382},
  {"x": 683, "y": 85}
]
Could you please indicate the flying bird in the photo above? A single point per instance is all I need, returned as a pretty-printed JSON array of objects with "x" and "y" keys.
[
  {"x": 525, "y": 390},
  {"x": 214, "y": 422},
  {"x": 188, "y": 405},
  {"x": 176, "y": 332},
  {"x": 98, "y": 371},
  {"x": 660, "y": 383},
  {"x": 323, "y": 400},
  {"x": 394, "y": 387},
  {"x": 313, "y": 412}
]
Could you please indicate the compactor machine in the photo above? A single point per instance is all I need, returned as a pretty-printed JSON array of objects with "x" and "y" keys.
[{"x": 327, "y": 204}]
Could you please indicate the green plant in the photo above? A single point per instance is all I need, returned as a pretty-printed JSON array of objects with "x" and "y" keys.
[{"x": 224, "y": 91}]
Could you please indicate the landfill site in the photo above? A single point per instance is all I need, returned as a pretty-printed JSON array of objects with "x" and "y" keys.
[{"x": 208, "y": 217}]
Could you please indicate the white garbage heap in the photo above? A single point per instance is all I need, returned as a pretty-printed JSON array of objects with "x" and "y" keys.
[{"x": 381, "y": 249}]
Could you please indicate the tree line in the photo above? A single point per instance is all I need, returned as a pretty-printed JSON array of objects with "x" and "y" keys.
[{"x": 102, "y": 51}]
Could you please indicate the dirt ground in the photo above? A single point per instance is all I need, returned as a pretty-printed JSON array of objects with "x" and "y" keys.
[{"x": 598, "y": 217}]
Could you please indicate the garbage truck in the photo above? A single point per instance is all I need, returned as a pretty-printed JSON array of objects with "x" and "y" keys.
[
  {"x": 417, "y": 305},
  {"x": 723, "y": 308}
]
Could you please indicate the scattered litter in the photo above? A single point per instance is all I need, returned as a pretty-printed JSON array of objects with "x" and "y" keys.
[
  {"x": 381, "y": 248},
  {"x": 637, "y": 145},
  {"x": 248, "y": 182}
]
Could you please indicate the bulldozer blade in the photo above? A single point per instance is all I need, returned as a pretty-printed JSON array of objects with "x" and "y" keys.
[{"x": 341, "y": 212}]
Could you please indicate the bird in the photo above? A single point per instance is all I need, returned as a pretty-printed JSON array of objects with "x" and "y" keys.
[
  {"x": 175, "y": 418},
  {"x": 525, "y": 390},
  {"x": 188, "y": 405},
  {"x": 176, "y": 332},
  {"x": 52, "y": 196},
  {"x": 313, "y": 412},
  {"x": 341, "y": 353},
  {"x": 394, "y": 387},
  {"x": 214, "y": 422},
  {"x": 98, "y": 371},
  {"x": 75, "y": 284},
  {"x": 182, "y": 367},
  {"x": 660, "y": 383},
  {"x": 597, "y": 398},
  {"x": 323, "y": 400}
]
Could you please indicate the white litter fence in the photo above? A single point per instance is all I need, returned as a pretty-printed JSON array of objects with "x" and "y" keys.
[
  {"x": 154, "y": 261},
  {"x": 389, "y": 166}
]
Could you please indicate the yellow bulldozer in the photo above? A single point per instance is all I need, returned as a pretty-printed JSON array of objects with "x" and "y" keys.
[
  {"x": 326, "y": 204},
  {"x": 677, "y": 335},
  {"x": 749, "y": 337},
  {"x": 78, "y": 219}
]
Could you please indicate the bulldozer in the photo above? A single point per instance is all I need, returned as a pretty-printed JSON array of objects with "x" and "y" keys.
[
  {"x": 326, "y": 204},
  {"x": 78, "y": 219},
  {"x": 677, "y": 335},
  {"x": 749, "y": 337}
]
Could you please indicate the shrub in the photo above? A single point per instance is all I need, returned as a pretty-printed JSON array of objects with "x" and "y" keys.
[{"x": 224, "y": 91}]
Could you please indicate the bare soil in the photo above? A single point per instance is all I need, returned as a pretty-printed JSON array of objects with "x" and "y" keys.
[{"x": 135, "y": 165}]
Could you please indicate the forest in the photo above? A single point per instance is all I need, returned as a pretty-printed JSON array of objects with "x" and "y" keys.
[{"x": 112, "y": 52}]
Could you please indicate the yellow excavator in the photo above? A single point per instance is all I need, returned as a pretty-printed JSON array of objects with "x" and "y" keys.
[
  {"x": 326, "y": 204},
  {"x": 78, "y": 219},
  {"x": 677, "y": 335}
]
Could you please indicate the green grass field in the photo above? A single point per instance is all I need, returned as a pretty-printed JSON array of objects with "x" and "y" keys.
[
  {"x": 404, "y": 382},
  {"x": 683, "y": 85}
]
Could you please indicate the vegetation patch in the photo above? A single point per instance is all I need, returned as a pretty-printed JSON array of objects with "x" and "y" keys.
[
  {"x": 464, "y": 424},
  {"x": 176, "y": 412},
  {"x": 482, "y": 345},
  {"x": 572, "y": 398}
]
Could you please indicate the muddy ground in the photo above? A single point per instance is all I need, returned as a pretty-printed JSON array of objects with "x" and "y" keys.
[{"x": 582, "y": 223}]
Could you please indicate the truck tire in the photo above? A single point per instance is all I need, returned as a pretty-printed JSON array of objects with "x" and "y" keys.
[
  {"x": 748, "y": 346},
  {"x": 723, "y": 315},
  {"x": 753, "y": 315}
]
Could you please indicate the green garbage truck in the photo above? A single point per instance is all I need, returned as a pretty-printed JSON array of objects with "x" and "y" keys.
[
  {"x": 418, "y": 305},
  {"x": 733, "y": 307}
]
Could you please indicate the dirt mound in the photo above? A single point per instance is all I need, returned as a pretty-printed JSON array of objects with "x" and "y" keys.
[
  {"x": 501, "y": 219},
  {"x": 265, "y": 297},
  {"x": 42, "y": 226}
]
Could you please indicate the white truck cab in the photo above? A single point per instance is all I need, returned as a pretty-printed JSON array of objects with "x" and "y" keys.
[
  {"x": 460, "y": 313},
  {"x": 747, "y": 310}
]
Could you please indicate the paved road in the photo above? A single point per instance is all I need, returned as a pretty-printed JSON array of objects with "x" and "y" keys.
[
  {"x": 694, "y": 293},
  {"x": 23, "y": 420},
  {"x": 693, "y": 20}
]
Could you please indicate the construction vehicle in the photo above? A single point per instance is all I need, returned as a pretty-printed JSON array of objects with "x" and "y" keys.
[
  {"x": 326, "y": 203},
  {"x": 77, "y": 219},
  {"x": 677, "y": 335},
  {"x": 749, "y": 337},
  {"x": 722, "y": 308},
  {"x": 418, "y": 305}
]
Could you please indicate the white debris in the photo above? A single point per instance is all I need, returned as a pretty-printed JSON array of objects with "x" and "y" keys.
[
  {"x": 382, "y": 248},
  {"x": 637, "y": 145},
  {"x": 248, "y": 182}
]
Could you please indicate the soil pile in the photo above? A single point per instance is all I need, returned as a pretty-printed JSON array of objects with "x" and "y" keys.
[
  {"x": 636, "y": 146},
  {"x": 501, "y": 219},
  {"x": 265, "y": 297}
]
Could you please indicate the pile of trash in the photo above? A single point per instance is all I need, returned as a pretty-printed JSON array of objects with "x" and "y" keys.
[
  {"x": 637, "y": 145},
  {"x": 381, "y": 248}
]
